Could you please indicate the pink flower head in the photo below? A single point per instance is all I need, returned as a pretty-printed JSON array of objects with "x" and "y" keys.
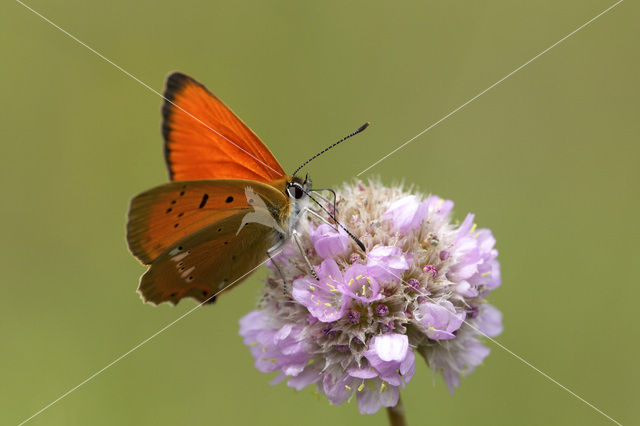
[{"x": 352, "y": 333}]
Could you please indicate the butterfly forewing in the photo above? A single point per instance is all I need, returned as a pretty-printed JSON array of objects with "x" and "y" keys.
[
  {"x": 205, "y": 140},
  {"x": 164, "y": 215}
]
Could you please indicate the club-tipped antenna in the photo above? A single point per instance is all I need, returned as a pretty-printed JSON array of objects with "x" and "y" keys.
[
  {"x": 353, "y": 237},
  {"x": 360, "y": 129}
]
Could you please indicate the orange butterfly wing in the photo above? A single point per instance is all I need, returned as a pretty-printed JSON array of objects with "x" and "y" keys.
[
  {"x": 164, "y": 215},
  {"x": 205, "y": 140},
  {"x": 201, "y": 236},
  {"x": 207, "y": 262}
]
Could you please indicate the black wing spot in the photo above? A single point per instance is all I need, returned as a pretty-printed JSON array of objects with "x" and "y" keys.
[
  {"x": 169, "y": 210},
  {"x": 179, "y": 247},
  {"x": 173, "y": 201},
  {"x": 226, "y": 242},
  {"x": 172, "y": 295},
  {"x": 219, "y": 229},
  {"x": 211, "y": 300},
  {"x": 180, "y": 214},
  {"x": 176, "y": 225},
  {"x": 250, "y": 200},
  {"x": 181, "y": 193},
  {"x": 233, "y": 257},
  {"x": 205, "y": 197},
  {"x": 229, "y": 199},
  {"x": 189, "y": 279}
]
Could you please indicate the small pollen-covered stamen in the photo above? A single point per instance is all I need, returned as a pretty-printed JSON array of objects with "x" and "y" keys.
[
  {"x": 254, "y": 343},
  {"x": 328, "y": 305},
  {"x": 364, "y": 290},
  {"x": 485, "y": 274},
  {"x": 331, "y": 286},
  {"x": 264, "y": 349},
  {"x": 383, "y": 387},
  {"x": 334, "y": 290},
  {"x": 473, "y": 228},
  {"x": 359, "y": 276},
  {"x": 312, "y": 288},
  {"x": 319, "y": 303},
  {"x": 361, "y": 387},
  {"x": 273, "y": 360},
  {"x": 350, "y": 282},
  {"x": 431, "y": 328},
  {"x": 347, "y": 387}
]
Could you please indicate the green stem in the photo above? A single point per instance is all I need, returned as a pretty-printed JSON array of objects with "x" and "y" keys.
[{"x": 396, "y": 414}]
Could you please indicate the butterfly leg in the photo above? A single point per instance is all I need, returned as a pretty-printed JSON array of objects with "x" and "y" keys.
[
  {"x": 274, "y": 250},
  {"x": 296, "y": 238},
  {"x": 333, "y": 225},
  {"x": 325, "y": 199},
  {"x": 284, "y": 281}
]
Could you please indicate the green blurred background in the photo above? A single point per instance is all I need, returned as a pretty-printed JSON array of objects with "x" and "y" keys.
[{"x": 548, "y": 160}]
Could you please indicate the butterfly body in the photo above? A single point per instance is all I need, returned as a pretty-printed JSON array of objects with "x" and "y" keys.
[{"x": 229, "y": 202}]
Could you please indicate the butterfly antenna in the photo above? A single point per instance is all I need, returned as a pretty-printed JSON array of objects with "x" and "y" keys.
[
  {"x": 360, "y": 129},
  {"x": 353, "y": 237}
]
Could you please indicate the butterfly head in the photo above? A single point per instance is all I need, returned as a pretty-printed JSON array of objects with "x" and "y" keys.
[{"x": 298, "y": 189}]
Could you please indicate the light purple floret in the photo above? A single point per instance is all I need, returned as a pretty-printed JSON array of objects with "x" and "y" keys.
[
  {"x": 461, "y": 362},
  {"x": 360, "y": 284},
  {"x": 440, "y": 319},
  {"x": 475, "y": 269},
  {"x": 407, "y": 213},
  {"x": 489, "y": 320},
  {"x": 323, "y": 298},
  {"x": 274, "y": 348},
  {"x": 387, "y": 263},
  {"x": 328, "y": 242}
]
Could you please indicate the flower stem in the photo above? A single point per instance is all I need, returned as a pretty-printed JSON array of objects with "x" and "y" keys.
[{"x": 396, "y": 414}]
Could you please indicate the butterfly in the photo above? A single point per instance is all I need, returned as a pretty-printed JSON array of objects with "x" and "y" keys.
[{"x": 228, "y": 206}]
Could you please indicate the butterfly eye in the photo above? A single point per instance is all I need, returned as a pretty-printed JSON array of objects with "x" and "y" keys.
[{"x": 295, "y": 191}]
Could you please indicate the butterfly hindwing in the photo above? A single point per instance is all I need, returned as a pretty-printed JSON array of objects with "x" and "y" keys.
[
  {"x": 205, "y": 140},
  {"x": 211, "y": 260},
  {"x": 164, "y": 215}
]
